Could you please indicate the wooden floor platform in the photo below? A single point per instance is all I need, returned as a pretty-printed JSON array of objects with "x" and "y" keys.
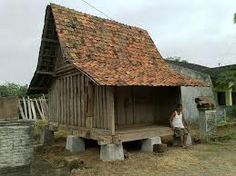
[
  {"x": 127, "y": 134},
  {"x": 139, "y": 133}
]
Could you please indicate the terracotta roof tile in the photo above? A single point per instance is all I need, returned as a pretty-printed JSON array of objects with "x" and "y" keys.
[{"x": 112, "y": 53}]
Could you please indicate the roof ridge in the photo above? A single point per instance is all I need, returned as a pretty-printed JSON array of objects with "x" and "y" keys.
[
  {"x": 84, "y": 13},
  {"x": 188, "y": 63},
  {"x": 229, "y": 65}
]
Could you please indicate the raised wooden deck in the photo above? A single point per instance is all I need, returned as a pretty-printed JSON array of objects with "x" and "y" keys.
[
  {"x": 139, "y": 133},
  {"x": 121, "y": 135}
]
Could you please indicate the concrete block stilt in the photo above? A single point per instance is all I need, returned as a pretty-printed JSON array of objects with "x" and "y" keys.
[
  {"x": 111, "y": 152},
  {"x": 147, "y": 144},
  {"x": 46, "y": 136},
  {"x": 75, "y": 144}
]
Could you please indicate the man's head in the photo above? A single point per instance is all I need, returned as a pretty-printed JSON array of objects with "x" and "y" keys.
[{"x": 179, "y": 107}]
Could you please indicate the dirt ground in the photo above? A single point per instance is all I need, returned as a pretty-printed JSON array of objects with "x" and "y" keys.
[{"x": 217, "y": 158}]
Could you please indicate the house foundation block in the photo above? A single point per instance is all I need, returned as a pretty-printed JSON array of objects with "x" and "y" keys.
[
  {"x": 46, "y": 136},
  {"x": 111, "y": 152},
  {"x": 75, "y": 144},
  {"x": 147, "y": 144}
]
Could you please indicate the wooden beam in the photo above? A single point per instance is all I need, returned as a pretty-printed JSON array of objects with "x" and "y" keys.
[
  {"x": 45, "y": 73},
  {"x": 45, "y": 56},
  {"x": 100, "y": 135},
  {"x": 50, "y": 40},
  {"x": 65, "y": 68},
  {"x": 36, "y": 88},
  {"x": 133, "y": 134}
]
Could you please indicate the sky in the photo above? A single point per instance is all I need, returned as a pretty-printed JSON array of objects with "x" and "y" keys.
[{"x": 199, "y": 31}]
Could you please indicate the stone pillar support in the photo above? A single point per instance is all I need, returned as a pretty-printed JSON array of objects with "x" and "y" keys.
[
  {"x": 46, "y": 136},
  {"x": 111, "y": 152},
  {"x": 147, "y": 144},
  {"x": 75, "y": 144}
]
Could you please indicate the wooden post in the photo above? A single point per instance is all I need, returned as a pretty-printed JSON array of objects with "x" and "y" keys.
[
  {"x": 78, "y": 101},
  {"x": 71, "y": 109},
  {"x": 74, "y": 100},
  {"x": 21, "y": 110},
  {"x": 38, "y": 107},
  {"x": 90, "y": 110},
  {"x": 33, "y": 110},
  {"x": 29, "y": 108},
  {"x": 110, "y": 109},
  {"x": 42, "y": 108},
  {"x": 82, "y": 100},
  {"x": 25, "y": 108}
]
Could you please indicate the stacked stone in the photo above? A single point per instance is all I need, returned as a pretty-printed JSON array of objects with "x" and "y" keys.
[{"x": 15, "y": 148}]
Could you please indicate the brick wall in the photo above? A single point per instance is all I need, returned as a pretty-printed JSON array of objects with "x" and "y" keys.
[{"x": 15, "y": 147}]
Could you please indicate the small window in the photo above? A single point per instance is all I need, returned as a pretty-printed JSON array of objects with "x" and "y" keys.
[
  {"x": 234, "y": 98},
  {"x": 221, "y": 98}
]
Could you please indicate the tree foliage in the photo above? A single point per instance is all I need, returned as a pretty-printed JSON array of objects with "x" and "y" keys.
[
  {"x": 225, "y": 77},
  {"x": 12, "y": 89},
  {"x": 235, "y": 18},
  {"x": 177, "y": 59}
]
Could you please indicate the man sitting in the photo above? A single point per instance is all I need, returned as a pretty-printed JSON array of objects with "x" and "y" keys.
[{"x": 179, "y": 125}]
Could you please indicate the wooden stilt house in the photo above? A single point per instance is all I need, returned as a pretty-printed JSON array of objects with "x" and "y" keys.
[{"x": 105, "y": 80}]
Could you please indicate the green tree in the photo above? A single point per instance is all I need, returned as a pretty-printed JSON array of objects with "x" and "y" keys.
[
  {"x": 12, "y": 89},
  {"x": 235, "y": 18},
  {"x": 225, "y": 77}
]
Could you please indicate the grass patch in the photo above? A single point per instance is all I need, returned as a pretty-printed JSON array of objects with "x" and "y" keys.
[{"x": 38, "y": 125}]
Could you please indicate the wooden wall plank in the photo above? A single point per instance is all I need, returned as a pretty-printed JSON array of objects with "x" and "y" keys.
[
  {"x": 61, "y": 101},
  {"x": 105, "y": 116},
  {"x": 90, "y": 105},
  {"x": 71, "y": 101},
  {"x": 79, "y": 101},
  {"x": 110, "y": 109},
  {"x": 97, "y": 107},
  {"x": 67, "y": 101},
  {"x": 100, "y": 107},
  {"x": 82, "y": 101},
  {"x": 94, "y": 108},
  {"x": 58, "y": 101},
  {"x": 75, "y": 99}
]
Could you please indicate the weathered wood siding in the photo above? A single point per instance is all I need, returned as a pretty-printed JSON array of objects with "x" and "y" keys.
[
  {"x": 75, "y": 101},
  {"x": 144, "y": 105}
]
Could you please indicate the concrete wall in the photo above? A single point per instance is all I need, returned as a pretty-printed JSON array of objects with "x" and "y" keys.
[
  {"x": 8, "y": 108},
  {"x": 188, "y": 94},
  {"x": 16, "y": 148}
]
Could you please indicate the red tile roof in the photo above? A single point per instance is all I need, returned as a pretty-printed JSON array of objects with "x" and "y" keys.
[{"x": 112, "y": 53}]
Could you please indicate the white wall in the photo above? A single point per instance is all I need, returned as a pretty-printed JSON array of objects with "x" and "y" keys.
[{"x": 188, "y": 95}]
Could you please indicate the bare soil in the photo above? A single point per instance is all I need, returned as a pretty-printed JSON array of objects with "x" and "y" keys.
[{"x": 215, "y": 159}]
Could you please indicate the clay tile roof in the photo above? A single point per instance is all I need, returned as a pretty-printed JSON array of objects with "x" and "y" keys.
[{"x": 112, "y": 53}]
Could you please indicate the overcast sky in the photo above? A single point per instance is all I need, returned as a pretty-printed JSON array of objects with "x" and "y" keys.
[{"x": 199, "y": 31}]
